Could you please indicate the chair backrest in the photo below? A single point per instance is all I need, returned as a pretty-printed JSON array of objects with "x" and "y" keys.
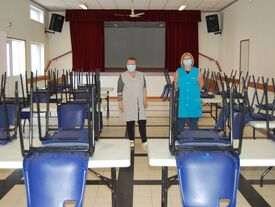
[
  {"x": 71, "y": 116},
  {"x": 208, "y": 178},
  {"x": 55, "y": 178}
]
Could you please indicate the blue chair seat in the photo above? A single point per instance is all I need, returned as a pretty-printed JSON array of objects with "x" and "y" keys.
[
  {"x": 259, "y": 117},
  {"x": 208, "y": 178},
  {"x": 270, "y": 106},
  {"x": 55, "y": 178},
  {"x": 202, "y": 137},
  {"x": 70, "y": 135}
]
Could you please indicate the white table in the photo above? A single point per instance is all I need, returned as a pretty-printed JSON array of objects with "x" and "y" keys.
[
  {"x": 212, "y": 101},
  {"x": 255, "y": 153},
  {"x": 217, "y": 99},
  {"x": 260, "y": 125},
  {"x": 109, "y": 153}
]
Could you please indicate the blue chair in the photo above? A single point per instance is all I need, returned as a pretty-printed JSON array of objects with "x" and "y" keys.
[
  {"x": 55, "y": 178},
  {"x": 71, "y": 119},
  {"x": 54, "y": 175},
  {"x": 208, "y": 178},
  {"x": 208, "y": 164},
  {"x": 8, "y": 122},
  {"x": 71, "y": 116}
]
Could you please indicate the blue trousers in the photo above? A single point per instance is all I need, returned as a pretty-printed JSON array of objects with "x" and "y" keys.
[{"x": 193, "y": 123}]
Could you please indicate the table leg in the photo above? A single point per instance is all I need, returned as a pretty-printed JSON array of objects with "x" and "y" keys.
[
  {"x": 114, "y": 196},
  {"x": 216, "y": 113},
  {"x": 108, "y": 105},
  {"x": 164, "y": 186},
  {"x": 211, "y": 112}
]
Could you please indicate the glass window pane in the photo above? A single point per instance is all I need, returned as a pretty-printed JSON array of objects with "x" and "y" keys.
[
  {"x": 8, "y": 59},
  {"x": 37, "y": 58},
  {"x": 36, "y": 14}
]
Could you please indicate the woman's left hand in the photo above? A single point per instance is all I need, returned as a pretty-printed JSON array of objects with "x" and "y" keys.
[{"x": 145, "y": 104}]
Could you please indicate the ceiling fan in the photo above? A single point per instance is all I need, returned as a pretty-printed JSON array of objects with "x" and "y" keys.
[{"x": 132, "y": 14}]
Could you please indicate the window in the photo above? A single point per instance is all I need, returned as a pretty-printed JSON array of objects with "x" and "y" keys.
[
  {"x": 16, "y": 57},
  {"x": 37, "y": 58},
  {"x": 36, "y": 14}
]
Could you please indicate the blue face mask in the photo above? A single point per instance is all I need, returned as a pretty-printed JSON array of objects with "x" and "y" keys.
[
  {"x": 187, "y": 62},
  {"x": 131, "y": 68}
]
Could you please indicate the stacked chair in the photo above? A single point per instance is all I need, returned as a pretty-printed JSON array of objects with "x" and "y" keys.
[
  {"x": 167, "y": 87},
  {"x": 55, "y": 172},
  {"x": 207, "y": 160},
  {"x": 8, "y": 120},
  {"x": 207, "y": 84}
]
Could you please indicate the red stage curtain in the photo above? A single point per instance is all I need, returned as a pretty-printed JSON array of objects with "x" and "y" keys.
[
  {"x": 87, "y": 35},
  {"x": 87, "y": 45},
  {"x": 180, "y": 37},
  {"x": 150, "y": 15}
]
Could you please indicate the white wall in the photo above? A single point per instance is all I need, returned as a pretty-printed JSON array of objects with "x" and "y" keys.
[
  {"x": 3, "y": 62},
  {"x": 249, "y": 20},
  {"x": 208, "y": 45},
  {"x": 154, "y": 83},
  {"x": 15, "y": 21},
  {"x": 59, "y": 44}
]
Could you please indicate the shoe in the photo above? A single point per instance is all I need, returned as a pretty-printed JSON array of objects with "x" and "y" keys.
[
  {"x": 132, "y": 143},
  {"x": 144, "y": 146}
]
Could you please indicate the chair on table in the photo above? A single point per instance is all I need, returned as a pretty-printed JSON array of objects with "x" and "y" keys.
[
  {"x": 8, "y": 122},
  {"x": 207, "y": 83},
  {"x": 238, "y": 97},
  {"x": 8, "y": 119},
  {"x": 207, "y": 162},
  {"x": 55, "y": 178},
  {"x": 166, "y": 89},
  {"x": 54, "y": 175},
  {"x": 208, "y": 178},
  {"x": 260, "y": 116},
  {"x": 71, "y": 119}
]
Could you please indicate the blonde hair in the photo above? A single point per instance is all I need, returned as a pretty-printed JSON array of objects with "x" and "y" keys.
[
  {"x": 183, "y": 55},
  {"x": 131, "y": 58}
]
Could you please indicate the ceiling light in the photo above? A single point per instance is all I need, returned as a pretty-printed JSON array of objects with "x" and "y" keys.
[
  {"x": 182, "y": 7},
  {"x": 83, "y": 5}
]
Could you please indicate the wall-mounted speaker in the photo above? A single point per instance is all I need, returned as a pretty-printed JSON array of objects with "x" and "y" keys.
[
  {"x": 56, "y": 22},
  {"x": 212, "y": 22}
]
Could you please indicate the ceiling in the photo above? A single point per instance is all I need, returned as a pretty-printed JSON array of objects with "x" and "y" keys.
[{"x": 203, "y": 5}]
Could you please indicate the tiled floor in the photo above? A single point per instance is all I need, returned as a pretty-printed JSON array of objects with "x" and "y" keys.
[{"x": 144, "y": 194}]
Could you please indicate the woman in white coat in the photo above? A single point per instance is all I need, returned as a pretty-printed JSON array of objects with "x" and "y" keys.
[{"x": 132, "y": 100}]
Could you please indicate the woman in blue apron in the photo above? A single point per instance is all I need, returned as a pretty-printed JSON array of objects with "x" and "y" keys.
[{"x": 188, "y": 79}]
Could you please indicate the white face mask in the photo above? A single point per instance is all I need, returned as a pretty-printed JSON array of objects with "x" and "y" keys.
[
  {"x": 187, "y": 62},
  {"x": 131, "y": 68}
]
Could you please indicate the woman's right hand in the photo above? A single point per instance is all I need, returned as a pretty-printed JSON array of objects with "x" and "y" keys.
[{"x": 121, "y": 106}]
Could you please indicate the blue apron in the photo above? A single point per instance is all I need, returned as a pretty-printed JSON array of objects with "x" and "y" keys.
[{"x": 189, "y": 94}]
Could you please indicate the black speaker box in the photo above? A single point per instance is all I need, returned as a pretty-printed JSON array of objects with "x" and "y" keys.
[
  {"x": 56, "y": 23},
  {"x": 212, "y": 22}
]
